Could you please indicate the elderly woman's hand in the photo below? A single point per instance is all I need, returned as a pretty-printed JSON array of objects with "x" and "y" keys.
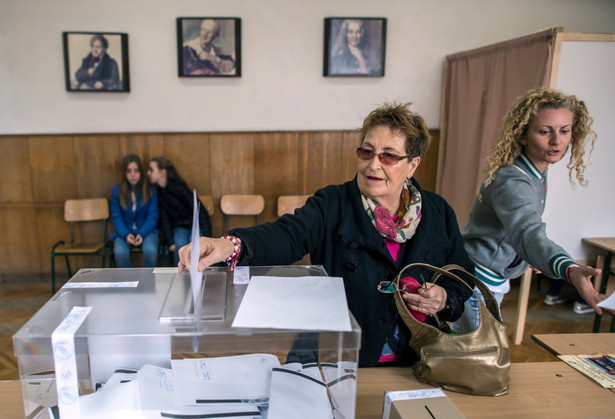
[
  {"x": 211, "y": 251},
  {"x": 430, "y": 299}
]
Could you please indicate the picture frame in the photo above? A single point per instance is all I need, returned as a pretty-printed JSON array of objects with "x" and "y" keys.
[
  {"x": 354, "y": 47},
  {"x": 209, "y": 46},
  {"x": 96, "y": 61}
]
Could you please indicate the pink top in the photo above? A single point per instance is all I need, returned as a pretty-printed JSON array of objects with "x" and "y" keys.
[
  {"x": 393, "y": 246},
  {"x": 394, "y": 251}
]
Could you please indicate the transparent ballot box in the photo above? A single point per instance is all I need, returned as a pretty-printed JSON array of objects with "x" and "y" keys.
[{"x": 129, "y": 344}]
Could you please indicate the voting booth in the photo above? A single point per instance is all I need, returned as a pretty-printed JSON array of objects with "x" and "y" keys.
[{"x": 266, "y": 342}]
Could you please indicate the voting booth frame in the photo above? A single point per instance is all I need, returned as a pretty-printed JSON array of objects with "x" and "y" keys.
[{"x": 138, "y": 327}]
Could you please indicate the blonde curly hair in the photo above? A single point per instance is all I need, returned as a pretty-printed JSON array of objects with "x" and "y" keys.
[{"x": 526, "y": 107}]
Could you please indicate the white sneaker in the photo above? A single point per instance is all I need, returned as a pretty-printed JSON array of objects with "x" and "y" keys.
[
  {"x": 552, "y": 300},
  {"x": 581, "y": 308}
]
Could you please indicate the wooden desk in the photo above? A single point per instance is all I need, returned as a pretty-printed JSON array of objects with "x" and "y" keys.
[
  {"x": 538, "y": 389},
  {"x": 607, "y": 246},
  {"x": 577, "y": 343}
]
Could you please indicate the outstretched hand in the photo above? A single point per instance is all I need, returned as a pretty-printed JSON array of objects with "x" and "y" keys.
[
  {"x": 211, "y": 251},
  {"x": 580, "y": 277}
]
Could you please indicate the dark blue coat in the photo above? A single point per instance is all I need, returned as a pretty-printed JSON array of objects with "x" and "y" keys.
[{"x": 335, "y": 230}]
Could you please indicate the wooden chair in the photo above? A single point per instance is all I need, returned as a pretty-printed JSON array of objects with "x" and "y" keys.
[
  {"x": 241, "y": 205},
  {"x": 288, "y": 203},
  {"x": 75, "y": 211},
  {"x": 208, "y": 203}
]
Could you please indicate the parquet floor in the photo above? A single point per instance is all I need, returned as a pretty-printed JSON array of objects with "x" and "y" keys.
[{"x": 21, "y": 297}]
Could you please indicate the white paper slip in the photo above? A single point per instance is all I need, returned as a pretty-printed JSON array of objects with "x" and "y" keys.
[
  {"x": 224, "y": 380},
  {"x": 128, "y": 284},
  {"x": 165, "y": 270},
  {"x": 241, "y": 275},
  {"x": 67, "y": 380},
  {"x": 196, "y": 277},
  {"x": 609, "y": 303},
  {"x": 294, "y": 303}
]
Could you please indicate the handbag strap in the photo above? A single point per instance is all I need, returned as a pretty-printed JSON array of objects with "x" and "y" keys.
[
  {"x": 490, "y": 300},
  {"x": 414, "y": 325}
]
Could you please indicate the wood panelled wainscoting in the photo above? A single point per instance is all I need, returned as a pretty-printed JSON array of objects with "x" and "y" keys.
[{"x": 39, "y": 172}]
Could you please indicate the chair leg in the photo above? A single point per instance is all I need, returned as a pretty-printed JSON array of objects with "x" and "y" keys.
[
  {"x": 53, "y": 274},
  {"x": 70, "y": 273}
]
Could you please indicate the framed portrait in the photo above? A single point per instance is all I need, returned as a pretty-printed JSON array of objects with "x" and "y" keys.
[
  {"x": 96, "y": 61},
  {"x": 354, "y": 46},
  {"x": 209, "y": 46}
]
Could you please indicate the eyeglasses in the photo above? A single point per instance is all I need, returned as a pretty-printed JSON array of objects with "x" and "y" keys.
[
  {"x": 389, "y": 159},
  {"x": 389, "y": 287}
]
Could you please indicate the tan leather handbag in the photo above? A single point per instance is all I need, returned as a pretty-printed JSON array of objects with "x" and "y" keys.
[{"x": 477, "y": 362}]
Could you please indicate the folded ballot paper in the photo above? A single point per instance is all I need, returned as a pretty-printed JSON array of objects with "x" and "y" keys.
[{"x": 243, "y": 386}]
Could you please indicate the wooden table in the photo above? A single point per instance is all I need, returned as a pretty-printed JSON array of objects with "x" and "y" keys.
[
  {"x": 607, "y": 247},
  {"x": 538, "y": 389},
  {"x": 577, "y": 343}
]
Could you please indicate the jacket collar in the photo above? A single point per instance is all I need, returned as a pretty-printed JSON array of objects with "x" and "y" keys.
[{"x": 526, "y": 164}]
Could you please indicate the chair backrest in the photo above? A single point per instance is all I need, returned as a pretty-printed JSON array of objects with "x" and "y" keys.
[
  {"x": 288, "y": 203},
  {"x": 77, "y": 210},
  {"x": 86, "y": 209},
  {"x": 208, "y": 203},
  {"x": 242, "y": 205}
]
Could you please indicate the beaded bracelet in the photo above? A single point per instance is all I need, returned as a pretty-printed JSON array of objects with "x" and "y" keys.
[{"x": 232, "y": 260}]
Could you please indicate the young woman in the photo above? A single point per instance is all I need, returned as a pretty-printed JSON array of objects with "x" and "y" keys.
[
  {"x": 175, "y": 203},
  {"x": 134, "y": 213},
  {"x": 506, "y": 233}
]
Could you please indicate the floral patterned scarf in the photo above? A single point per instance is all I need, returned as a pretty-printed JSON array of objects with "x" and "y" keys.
[{"x": 408, "y": 217}]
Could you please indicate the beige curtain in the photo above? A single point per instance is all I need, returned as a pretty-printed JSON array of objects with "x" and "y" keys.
[{"x": 479, "y": 87}]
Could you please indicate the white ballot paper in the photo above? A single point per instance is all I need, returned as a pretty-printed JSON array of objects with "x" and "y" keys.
[
  {"x": 196, "y": 277},
  {"x": 609, "y": 303},
  {"x": 300, "y": 303},
  {"x": 224, "y": 380}
]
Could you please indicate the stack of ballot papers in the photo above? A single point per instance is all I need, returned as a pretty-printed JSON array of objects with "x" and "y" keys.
[{"x": 243, "y": 386}]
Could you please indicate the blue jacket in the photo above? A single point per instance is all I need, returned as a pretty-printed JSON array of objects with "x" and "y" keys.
[
  {"x": 145, "y": 217},
  {"x": 334, "y": 228}
]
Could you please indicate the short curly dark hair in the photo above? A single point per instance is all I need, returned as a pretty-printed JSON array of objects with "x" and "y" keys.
[{"x": 398, "y": 117}]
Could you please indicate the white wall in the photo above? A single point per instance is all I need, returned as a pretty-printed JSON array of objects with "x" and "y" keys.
[
  {"x": 282, "y": 87},
  {"x": 586, "y": 70}
]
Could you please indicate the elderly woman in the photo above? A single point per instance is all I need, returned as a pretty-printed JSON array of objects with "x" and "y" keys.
[
  {"x": 365, "y": 231},
  {"x": 506, "y": 233}
]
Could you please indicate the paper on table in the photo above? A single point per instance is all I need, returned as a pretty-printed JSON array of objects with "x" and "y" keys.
[
  {"x": 195, "y": 276},
  {"x": 302, "y": 303},
  {"x": 609, "y": 303}
]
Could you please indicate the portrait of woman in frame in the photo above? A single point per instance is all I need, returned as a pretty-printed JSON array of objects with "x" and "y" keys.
[
  {"x": 96, "y": 62},
  {"x": 354, "y": 47}
]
